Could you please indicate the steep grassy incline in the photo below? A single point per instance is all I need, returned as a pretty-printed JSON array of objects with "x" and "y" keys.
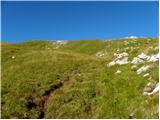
[{"x": 59, "y": 79}]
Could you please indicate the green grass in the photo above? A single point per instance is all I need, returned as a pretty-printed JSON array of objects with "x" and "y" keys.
[{"x": 77, "y": 83}]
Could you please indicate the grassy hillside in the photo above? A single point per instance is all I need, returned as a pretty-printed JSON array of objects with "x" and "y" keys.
[{"x": 49, "y": 79}]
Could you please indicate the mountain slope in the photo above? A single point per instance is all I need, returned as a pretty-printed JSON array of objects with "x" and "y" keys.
[{"x": 74, "y": 79}]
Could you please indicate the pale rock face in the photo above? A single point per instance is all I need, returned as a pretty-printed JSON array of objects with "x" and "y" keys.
[
  {"x": 143, "y": 69},
  {"x": 119, "y": 62},
  {"x": 146, "y": 75},
  {"x": 136, "y": 60},
  {"x": 145, "y": 93},
  {"x": 122, "y": 61},
  {"x": 101, "y": 53},
  {"x": 148, "y": 84},
  {"x": 154, "y": 58},
  {"x": 143, "y": 56},
  {"x": 147, "y": 89},
  {"x": 59, "y": 43},
  {"x": 120, "y": 55},
  {"x": 118, "y": 72},
  {"x": 156, "y": 90},
  {"x": 111, "y": 63}
]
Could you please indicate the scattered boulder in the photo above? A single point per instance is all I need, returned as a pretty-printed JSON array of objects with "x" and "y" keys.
[
  {"x": 146, "y": 75},
  {"x": 149, "y": 84},
  {"x": 136, "y": 60},
  {"x": 101, "y": 53},
  {"x": 143, "y": 57},
  {"x": 120, "y": 55},
  {"x": 143, "y": 69},
  {"x": 119, "y": 61},
  {"x": 154, "y": 91},
  {"x": 147, "y": 90},
  {"x": 122, "y": 61},
  {"x": 59, "y": 43},
  {"x": 118, "y": 72},
  {"x": 111, "y": 63},
  {"x": 154, "y": 58}
]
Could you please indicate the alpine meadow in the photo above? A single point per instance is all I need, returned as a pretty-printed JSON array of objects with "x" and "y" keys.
[{"x": 80, "y": 79}]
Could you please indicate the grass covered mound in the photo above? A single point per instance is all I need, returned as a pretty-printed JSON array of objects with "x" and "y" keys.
[{"x": 72, "y": 79}]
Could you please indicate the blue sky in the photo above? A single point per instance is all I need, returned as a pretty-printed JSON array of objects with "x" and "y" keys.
[{"x": 77, "y": 20}]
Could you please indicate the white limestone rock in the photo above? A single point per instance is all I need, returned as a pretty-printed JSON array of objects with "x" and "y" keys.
[
  {"x": 149, "y": 84},
  {"x": 111, "y": 63},
  {"x": 154, "y": 58},
  {"x": 136, "y": 60},
  {"x": 144, "y": 56},
  {"x": 122, "y": 61},
  {"x": 119, "y": 62},
  {"x": 118, "y": 72},
  {"x": 146, "y": 75},
  {"x": 143, "y": 69},
  {"x": 120, "y": 55},
  {"x": 155, "y": 90},
  {"x": 101, "y": 53},
  {"x": 59, "y": 43}
]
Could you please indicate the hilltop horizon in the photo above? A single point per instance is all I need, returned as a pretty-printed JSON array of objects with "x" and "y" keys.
[{"x": 85, "y": 39}]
